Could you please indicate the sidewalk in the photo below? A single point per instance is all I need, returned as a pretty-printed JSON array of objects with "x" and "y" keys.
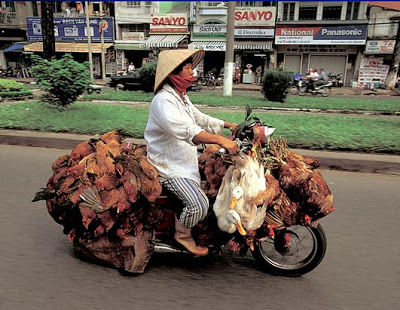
[{"x": 371, "y": 163}]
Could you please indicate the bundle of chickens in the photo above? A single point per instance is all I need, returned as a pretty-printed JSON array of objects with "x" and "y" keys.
[
  {"x": 103, "y": 194},
  {"x": 296, "y": 194}
]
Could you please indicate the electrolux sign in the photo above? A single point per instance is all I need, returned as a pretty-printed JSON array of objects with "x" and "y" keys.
[
  {"x": 345, "y": 35},
  {"x": 72, "y": 29}
]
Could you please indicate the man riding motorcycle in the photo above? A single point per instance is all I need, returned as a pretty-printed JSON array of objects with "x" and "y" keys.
[{"x": 174, "y": 129}]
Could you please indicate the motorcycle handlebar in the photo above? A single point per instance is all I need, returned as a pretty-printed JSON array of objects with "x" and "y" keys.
[{"x": 223, "y": 151}]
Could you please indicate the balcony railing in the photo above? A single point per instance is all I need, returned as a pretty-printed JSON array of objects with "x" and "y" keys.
[{"x": 8, "y": 18}]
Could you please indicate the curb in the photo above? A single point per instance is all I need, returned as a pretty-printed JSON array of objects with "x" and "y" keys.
[{"x": 343, "y": 161}]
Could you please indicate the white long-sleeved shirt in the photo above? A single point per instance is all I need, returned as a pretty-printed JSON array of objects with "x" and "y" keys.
[{"x": 171, "y": 127}]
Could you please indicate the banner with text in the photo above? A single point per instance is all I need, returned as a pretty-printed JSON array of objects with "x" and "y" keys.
[
  {"x": 380, "y": 47},
  {"x": 72, "y": 29},
  {"x": 349, "y": 35}
]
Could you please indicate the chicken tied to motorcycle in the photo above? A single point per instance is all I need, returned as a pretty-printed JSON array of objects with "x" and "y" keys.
[{"x": 265, "y": 199}]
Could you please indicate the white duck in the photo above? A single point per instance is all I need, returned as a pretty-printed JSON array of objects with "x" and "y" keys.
[
  {"x": 228, "y": 219},
  {"x": 239, "y": 203}
]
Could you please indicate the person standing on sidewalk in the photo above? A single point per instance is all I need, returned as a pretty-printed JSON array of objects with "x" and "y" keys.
[{"x": 174, "y": 129}]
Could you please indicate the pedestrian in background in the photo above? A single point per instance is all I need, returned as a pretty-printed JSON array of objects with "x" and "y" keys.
[
  {"x": 322, "y": 75},
  {"x": 131, "y": 68},
  {"x": 258, "y": 75}
]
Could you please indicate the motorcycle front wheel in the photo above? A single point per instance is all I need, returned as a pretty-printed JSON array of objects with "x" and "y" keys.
[
  {"x": 302, "y": 91},
  {"x": 293, "y": 252},
  {"x": 211, "y": 84},
  {"x": 325, "y": 92},
  {"x": 293, "y": 90}
]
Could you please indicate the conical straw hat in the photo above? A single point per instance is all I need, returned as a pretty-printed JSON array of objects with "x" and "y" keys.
[{"x": 169, "y": 60}]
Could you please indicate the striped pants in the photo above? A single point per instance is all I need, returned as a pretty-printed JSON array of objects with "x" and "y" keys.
[{"x": 194, "y": 200}]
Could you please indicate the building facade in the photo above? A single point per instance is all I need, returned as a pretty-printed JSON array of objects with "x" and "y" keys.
[
  {"x": 334, "y": 38},
  {"x": 13, "y": 34},
  {"x": 379, "y": 55},
  {"x": 342, "y": 37}
]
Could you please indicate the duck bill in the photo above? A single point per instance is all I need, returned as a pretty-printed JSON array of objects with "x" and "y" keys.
[
  {"x": 233, "y": 203},
  {"x": 240, "y": 228},
  {"x": 251, "y": 246}
]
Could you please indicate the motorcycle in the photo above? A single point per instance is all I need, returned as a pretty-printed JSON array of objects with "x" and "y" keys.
[
  {"x": 307, "y": 87},
  {"x": 209, "y": 81},
  {"x": 284, "y": 238},
  {"x": 291, "y": 251},
  {"x": 3, "y": 74},
  {"x": 335, "y": 79}
]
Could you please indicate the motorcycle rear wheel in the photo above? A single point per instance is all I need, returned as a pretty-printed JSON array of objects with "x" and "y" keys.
[{"x": 307, "y": 248}]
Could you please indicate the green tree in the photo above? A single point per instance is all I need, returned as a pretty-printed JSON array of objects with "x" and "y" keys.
[
  {"x": 64, "y": 80},
  {"x": 147, "y": 75}
]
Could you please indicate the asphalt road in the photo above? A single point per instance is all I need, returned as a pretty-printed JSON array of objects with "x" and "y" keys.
[{"x": 39, "y": 271}]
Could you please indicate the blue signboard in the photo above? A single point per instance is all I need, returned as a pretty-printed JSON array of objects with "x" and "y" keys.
[{"x": 72, "y": 29}]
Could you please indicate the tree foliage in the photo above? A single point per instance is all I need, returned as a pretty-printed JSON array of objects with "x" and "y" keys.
[
  {"x": 64, "y": 80},
  {"x": 275, "y": 85},
  {"x": 148, "y": 76}
]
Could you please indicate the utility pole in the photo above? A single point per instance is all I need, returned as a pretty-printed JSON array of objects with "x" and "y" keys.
[
  {"x": 49, "y": 45},
  {"x": 103, "y": 56},
  {"x": 89, "y": 40},
  {"x": 394, "y": 66},
  {"x": 230, "y": 39}
]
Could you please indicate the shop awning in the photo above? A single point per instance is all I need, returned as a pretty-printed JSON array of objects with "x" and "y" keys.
[
  {"x": 15, "y": 48},
  {"x": 219, "y": 46},
  {"x": 167, "y": 40},
  {"x": 130, "y": 46},
  {"x": 67, "y": 47},
  {"x": 238, "y": 45},
  {"x": 253, "y": 45}
]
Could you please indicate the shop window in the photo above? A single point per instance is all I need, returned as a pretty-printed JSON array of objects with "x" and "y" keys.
[
  {"x": 393, "y": 29},
  {"x": 95, "y": 7},
  {"x": 308, "y": 13},
  {"x": 140, "y": 28},
  {"x": 332, "y": 12},
  {"x": 215, "y": 3},
  {"x": 288, "y": 11},
  {"x": 256, "y": 3},
  {"x": 352, "y": 10}
]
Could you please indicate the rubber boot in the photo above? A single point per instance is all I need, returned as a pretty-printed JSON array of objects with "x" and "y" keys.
[{"x": 183, "y": 235}]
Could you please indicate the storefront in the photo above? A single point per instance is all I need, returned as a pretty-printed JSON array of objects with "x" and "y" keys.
[
  {"x": 71, "y": 37},
  {"x": 254, "y": 33},
  {"x": 375, "y": 63},
  {"x": 131, "y": 49},
  {"x": 168, "y": 31},
  {"x": 211, "y": 38},
  {"x": 337, "y": 49}
]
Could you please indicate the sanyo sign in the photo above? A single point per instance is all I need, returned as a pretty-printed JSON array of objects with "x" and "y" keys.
[
  {"x": 255, "y": 16},
  {"x": 169, "y": 23}
]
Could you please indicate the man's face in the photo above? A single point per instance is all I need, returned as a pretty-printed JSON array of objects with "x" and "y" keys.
[{"x": 187, "y": 71}]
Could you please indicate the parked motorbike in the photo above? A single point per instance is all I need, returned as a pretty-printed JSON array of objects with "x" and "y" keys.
[
  {"x": 335, "y": 79},
  {"x": 307, "y": 87},
  {"x": 209, "y": 81},
  {"x": 3, "y": 74}
]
